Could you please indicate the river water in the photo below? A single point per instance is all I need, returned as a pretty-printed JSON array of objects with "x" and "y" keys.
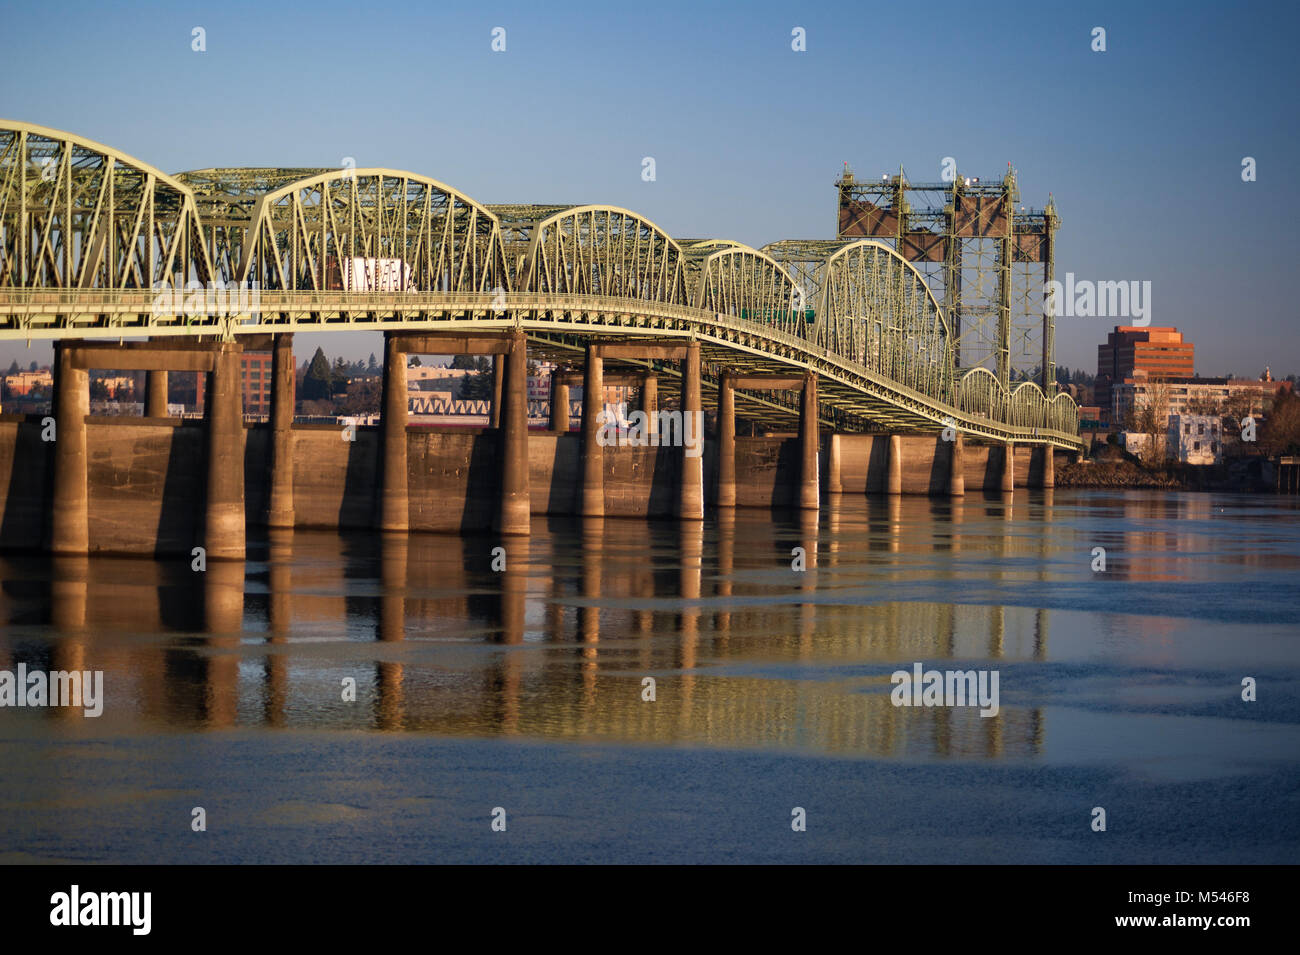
[{"x": 514, "y": 685}]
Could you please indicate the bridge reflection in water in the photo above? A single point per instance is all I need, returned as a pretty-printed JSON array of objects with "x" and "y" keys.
[{"x": 745, "y": 651}]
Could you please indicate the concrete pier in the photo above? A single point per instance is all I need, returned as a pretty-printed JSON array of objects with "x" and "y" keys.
[
  {"x": 394, "y": 503},
  {"x": 592, "y": 493},
  {"x": 498, "y": 378},
  {"x": 1008, "y": 467},
  {"x": 690, "y": 500},
  {"x": 223, "y": 524},
  {"x": 1049, "y": 467},
  {"x": 559, "y": 403},
  {"x": 155, "y": 394},
  {"x": 650, "y": 403},
  {"x": 956, "y": 468},
  {"x": 726, "y": 441},
  {"x": 279, "y": 511},
  {"x": 894, "y": 465},
  {"x": 809, "y": 446},
  {"x": 834, "y": 457},
  {"x": 513, "y": 516},
  {"x": 70, "y": 523}
]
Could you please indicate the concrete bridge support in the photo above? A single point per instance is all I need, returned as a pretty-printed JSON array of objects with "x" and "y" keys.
[
  {"x": 726, "y": 441},
  {"x": 279, "y": 512},
  {"x": 690, "y": 500},
  {"x": 1049, "y": 466},
  {"x": 223, "y": 523},
  {"x": 592, "y": 494},
  {"x": 1008, "y": 467},
  {"x": 394, "y": 502},
  {"x": 809, "y": 446},
  {"x": 956, "y": 474},
  {"x": 559, "y": 403},
  {"x": 514, "y": 514},
  {"x": 155, "y": 394},
  {"x": 650, "y": 403},
  {"x": 894, "y": 477},
  {"x": 834, "y": 482},
  {"x": 70, "y": 524},
  {"x": 498, "y": 379}
]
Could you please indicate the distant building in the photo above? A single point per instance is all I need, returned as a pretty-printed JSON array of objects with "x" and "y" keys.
[
  {"x": 1130, "y": 350},
  {"x": 1195, "y": 438},
  {"x": 23, "y": 382},
  {"x": 1169, "y": 396},
  {"x": 255, "y": 381}
]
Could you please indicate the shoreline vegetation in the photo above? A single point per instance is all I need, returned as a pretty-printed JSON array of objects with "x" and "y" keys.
[{"x": 1111, "y": 467}]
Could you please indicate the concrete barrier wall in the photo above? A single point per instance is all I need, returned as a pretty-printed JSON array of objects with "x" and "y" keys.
[{"x": 147, "y": 477}]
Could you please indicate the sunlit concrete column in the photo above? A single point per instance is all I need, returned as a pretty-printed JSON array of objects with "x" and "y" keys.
[
  {"x": 155, "y": 394},
  {"x": 394, "y": 508},
  {"x": 592, "y": 503},
  {"x": 559, "y": 404},
  {"x": 650, "y": 404},
  {"x": 498, "y": 378},
  {"x": 956, "y": 472},
  {"x": 1049, "y": 467},
  {"x": 809, "y": 445},
  {"x": 834, "y": 484},
  {"x": 726, "y": 441},
  {"x": 894, "y": 475},
  {"x": 690, "y": 500},
  {"x": 515, "y": 508},
  {"x": 1008, "y": 467},
  {"x": 279, "y": 512},
  {"x": 223, "y": 528},
  {"x": 70, "y": 524}
]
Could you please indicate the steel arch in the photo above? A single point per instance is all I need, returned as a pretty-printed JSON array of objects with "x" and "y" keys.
[
  {"x": 303, "y": 232},
  {"x": 604, "y": 250},
  {"x": 731, "y": 278},
  {"x": 76, "y": 214},
  {"x": 876, "y": 309}
]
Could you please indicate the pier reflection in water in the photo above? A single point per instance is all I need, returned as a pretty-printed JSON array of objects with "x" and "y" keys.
[{"x": 552, "y": 637}]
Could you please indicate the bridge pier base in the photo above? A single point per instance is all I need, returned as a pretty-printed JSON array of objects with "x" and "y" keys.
[
  {"x": 70, "y": 522},
  {"x": 1008, "y": 467},
  {"x": 956, "y": 472},
  {"x": 279, "y": 511},
  {"x": 726, "y": 441},
  {"x": 155, "y": 394},
  {"x": 894, "y": 477},
  {"x": 650, "y": 404},
  {"x": 690, "y": 500},
  {"x": 1049, "y": 467},
  {"x": 223, "y": 524},
  {"x": 834, "y": 483},
  {"x": 592, "y": 500},
  {"x": 514, "y": 514},
  {"x": 559, "y": 404},
  {"x": 809, "y": 446},
  {"x": 394, "y": 505},
  {"x": 498, "y": 377}
]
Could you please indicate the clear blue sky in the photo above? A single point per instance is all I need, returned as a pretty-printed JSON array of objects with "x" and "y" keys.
[{"x": 1141, "y": 145}]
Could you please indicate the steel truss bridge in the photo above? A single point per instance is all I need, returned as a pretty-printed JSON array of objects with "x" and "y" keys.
[{"x": 95, "y": 244}]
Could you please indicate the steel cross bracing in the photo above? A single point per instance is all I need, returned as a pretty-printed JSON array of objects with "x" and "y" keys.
[{"x": 94, "y": 244}]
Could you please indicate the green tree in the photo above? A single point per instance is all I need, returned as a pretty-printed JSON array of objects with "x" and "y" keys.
[
  {"x": 316, "y": 384},
  {"x": 14, "y": 369}
]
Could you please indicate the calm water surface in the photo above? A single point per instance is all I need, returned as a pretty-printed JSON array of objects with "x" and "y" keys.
[{"x": 523, "y": 689}]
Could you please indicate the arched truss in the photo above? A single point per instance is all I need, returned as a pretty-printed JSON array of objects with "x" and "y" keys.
[
  {"x": 730, "y": 278},
  {"x": 980, "y": 393},
  {"x": 227, "y": 201},
  {"x": 604, "y": 250},
  {"x": 373, "y": 230},
  {"x": 75, "y": 214},
  {"x": 877, "y": 310}
]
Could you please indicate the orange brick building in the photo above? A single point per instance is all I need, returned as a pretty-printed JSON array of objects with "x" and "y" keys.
[{"x": 1159, "y": 352}]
